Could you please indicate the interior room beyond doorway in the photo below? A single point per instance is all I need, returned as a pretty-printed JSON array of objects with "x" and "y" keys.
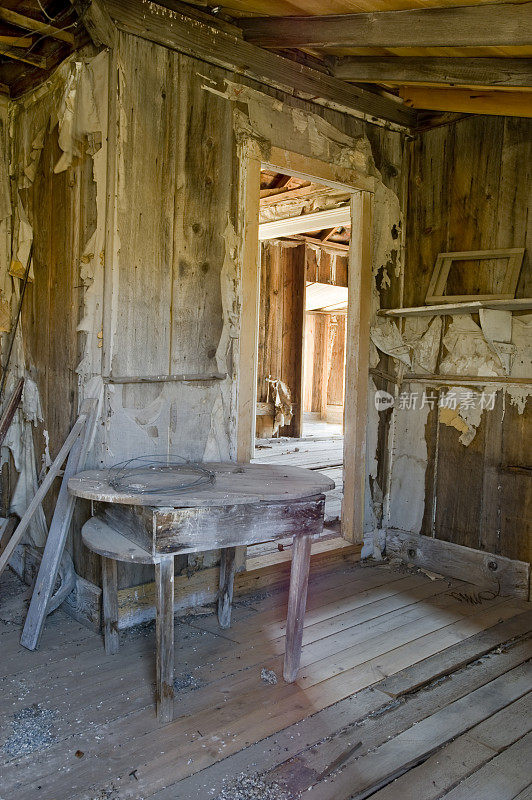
[{"x": 304, "y": 232}]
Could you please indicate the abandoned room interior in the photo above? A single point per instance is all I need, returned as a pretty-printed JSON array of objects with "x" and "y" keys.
[{"x": 265, "y": 418}]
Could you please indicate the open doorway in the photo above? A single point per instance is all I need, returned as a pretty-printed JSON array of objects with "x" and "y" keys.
[{"x": 304, "y": 234}]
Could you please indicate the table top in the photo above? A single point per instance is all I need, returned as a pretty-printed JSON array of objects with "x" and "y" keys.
[{"x": 234, "y": 484}]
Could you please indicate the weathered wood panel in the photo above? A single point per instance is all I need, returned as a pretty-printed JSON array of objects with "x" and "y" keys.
[
  {"x": 191, "y": 530},
  {"x": 469, "y": 189},
  {"x": 336, "y": 376},
  {"x": 145, "y": 210},
  {"x": 203, "y": 182},
  {"x": 323, "y": 266},
  {"x": 507, "y": 491},
  {"x": 459, "y": 482},
  {"x": 316, "y": 361},
  {"x": 282, "y": 297},
  {"x": 173, "y": 302},
  {"x": 50, "y": 314},
  {"x": 61, "y": 209}
]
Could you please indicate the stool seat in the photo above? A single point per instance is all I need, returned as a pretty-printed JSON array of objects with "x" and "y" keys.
[{"x": 109, "y": 543}]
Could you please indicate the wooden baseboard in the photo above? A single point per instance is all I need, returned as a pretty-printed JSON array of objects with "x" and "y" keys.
[
  {"x": 511, "y": 578},
  {"x": 137, "y": 604}
]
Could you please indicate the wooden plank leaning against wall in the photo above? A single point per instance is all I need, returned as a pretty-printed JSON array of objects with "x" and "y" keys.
[{"x": 470, "y": 190}]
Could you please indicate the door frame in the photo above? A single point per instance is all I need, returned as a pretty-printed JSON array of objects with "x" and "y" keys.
[{"x": 361, "y": 189}]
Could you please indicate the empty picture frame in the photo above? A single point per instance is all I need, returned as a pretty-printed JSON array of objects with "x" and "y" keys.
[{"x": 438, "y": 281}]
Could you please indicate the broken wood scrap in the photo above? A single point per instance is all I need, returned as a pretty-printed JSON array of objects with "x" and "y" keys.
[{"x": 42, "y": 599}]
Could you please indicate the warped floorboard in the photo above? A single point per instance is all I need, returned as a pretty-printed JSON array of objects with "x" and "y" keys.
[{"x": 77, "y": 724}]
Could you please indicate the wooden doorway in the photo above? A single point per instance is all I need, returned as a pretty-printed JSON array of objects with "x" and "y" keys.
[{"x": 358, "y": 315}]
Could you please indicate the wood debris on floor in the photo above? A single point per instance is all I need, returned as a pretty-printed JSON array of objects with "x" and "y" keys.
[{"x": 403, "y": 684}]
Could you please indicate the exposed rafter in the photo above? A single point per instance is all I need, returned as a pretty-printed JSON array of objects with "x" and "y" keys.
[
  {"x": 326, "y": 235},
  {"x": 97, "y": 21},
  {"x": 30, "y": 24},
  {"x": 19, "y": 54},
  {"x": 317, "y": 220},
  {"x": 503, "y": 72},
  {"x": 476, "y": 101},
  {"x": 210, "y": 43},
  {"x": 333, "y": 246},
  {"x": 273, "y": 196},
  {"x": 16, "y": 41},
  {"x": 486, "y": 25}
]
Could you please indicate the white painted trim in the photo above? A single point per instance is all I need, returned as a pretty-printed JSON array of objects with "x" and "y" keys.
[{"x": 328, "y": 218}]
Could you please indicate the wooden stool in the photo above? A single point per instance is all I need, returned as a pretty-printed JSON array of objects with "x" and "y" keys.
[
  {"x": 241, "y": 504},
  {"x": 112, "y": 546}
]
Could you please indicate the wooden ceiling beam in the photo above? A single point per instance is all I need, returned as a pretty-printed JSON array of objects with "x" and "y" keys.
[
  {"x": 486, "y": 25},
  {"x": 326, "y": 235},
  {"x": 210, "y": 43},
  {"x": 316, "y": 220},
  {"x": 334, "y": 246},
  {"x": 30, "y": 24},
  {"x": 476, "y": 101},
  {"x": 97, "y": 21},
  {"x": 281, "y": 181},
  {"x": 502, "y": 72},
  {"x": 16, "y": 41},
  {"x": 273, "y": 196},
  {"x": 19, "y": 54}
]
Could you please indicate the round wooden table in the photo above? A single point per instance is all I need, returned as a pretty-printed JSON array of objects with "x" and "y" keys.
[{"x": 150, "y": 524}]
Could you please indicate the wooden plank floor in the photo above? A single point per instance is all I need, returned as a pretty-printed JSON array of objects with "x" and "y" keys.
[
  {"x": 320, "y": 448},
  {"x": 363, "y": 719}
]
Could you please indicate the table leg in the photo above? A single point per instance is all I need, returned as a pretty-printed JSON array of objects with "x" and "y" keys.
[
  {"x": 227, "y": 575},
  {"x": 110, "y": 605},
  {"x": 164, "y": 589},
  {"x": 297, "y": 601}
]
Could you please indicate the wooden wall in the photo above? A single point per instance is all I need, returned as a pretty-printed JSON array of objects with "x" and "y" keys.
[
  {"x": 173, "y": 279},
  {"x": 169, "y": 278},
  {"x": 316, "y": 362},
  {"x": 470, "y": 189},
  {"x": 287, "y": 333},
  {"x": 336, "y": 372},
  {"x": 324, "y": 372},
  {"x": 281, "y": 320},
  {"x": 61, "y": 209}
]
